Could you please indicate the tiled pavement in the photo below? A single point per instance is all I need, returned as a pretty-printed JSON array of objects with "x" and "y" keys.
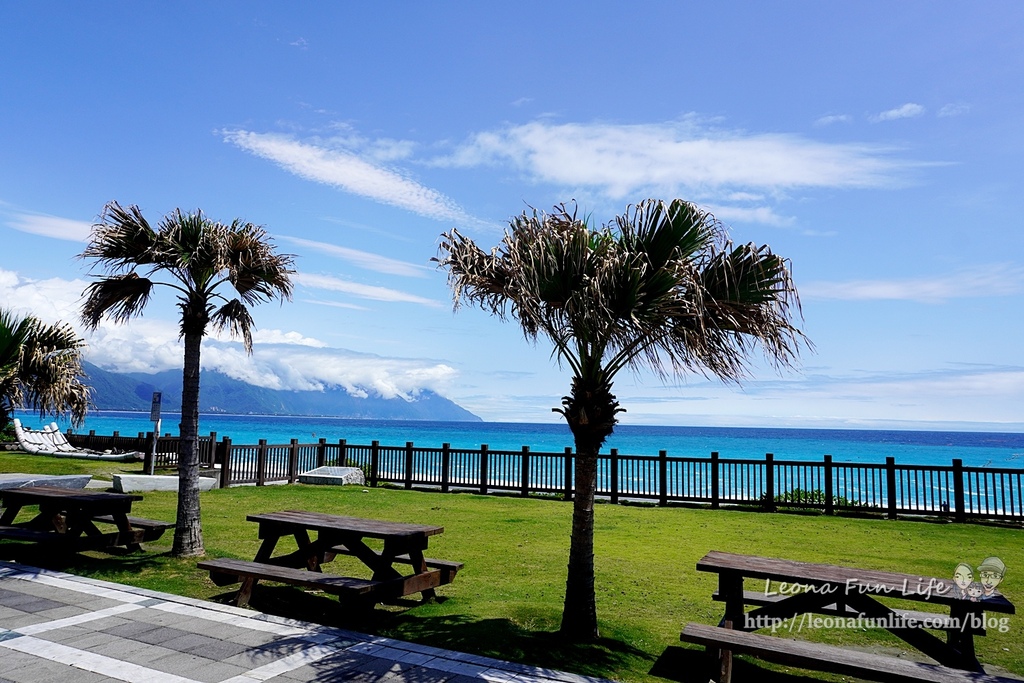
[{"x": 60, "y": 628}]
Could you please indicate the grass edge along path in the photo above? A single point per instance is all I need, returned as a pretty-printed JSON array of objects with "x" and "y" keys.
[{"x": 506, "y": 603}]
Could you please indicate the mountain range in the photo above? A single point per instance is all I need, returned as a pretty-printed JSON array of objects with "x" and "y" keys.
[{"x": 220, "y": 393}]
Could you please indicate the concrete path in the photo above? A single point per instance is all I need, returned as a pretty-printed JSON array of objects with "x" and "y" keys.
[{"x": 60, "y": 628}]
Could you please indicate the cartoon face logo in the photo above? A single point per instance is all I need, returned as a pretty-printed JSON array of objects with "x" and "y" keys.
[
  {"x": 963, "y": 576},
  {"x": 975, "y": 591},
  {"x": 991, "y": 571}
]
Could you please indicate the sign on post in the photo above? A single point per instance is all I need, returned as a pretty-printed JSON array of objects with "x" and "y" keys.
[
  {"x": 154, "y": 416},
  {"x": 154, "y": 410}
]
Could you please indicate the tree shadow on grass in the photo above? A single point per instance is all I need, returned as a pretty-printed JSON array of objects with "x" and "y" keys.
[{"x": 111, "y": 562}]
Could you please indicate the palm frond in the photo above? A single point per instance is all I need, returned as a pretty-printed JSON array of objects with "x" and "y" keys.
[
  {"x": 122, "y": 239},
  {"x": 47, "y": 373},
  {"x": 236, "y": 317},
  {"x": 256, "y": 271},
  {"x": 118, "y": 297}
]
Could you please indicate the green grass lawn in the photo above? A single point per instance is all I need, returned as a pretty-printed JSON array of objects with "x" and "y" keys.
[{"x": 506, "y": 603}]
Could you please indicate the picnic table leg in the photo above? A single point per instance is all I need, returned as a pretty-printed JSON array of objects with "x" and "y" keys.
[
  {"x": 419, "y": 565},
  {"x": 730, "y": 586},
  {"x": 303, "y": 543},
  {"x": 10, "y": 513},
  {"x": 245, "y": 591},
  {"x": 962, "y": 639},
  {"x": 266, "y": 548}
]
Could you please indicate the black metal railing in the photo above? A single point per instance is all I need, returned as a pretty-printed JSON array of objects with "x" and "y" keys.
[{"x": 955, "y": 491}]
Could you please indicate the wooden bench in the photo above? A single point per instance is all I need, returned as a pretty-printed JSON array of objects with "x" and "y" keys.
[
  {"x": 448, "y": 568},
  {"x": 937, "y": 621},
  {"x": 152, "y": 528},
  {"x": 225, "y": 571},
  {"x": 829, "y": 658}
]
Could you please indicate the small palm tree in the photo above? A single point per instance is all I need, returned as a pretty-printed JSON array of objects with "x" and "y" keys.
[
  {"x": 40, "y": 368},
  {"x": 198, "y": 258},
  {"x": 659, "y": 288}
]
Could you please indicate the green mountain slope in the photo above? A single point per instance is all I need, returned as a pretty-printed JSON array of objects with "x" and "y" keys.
[{"x": 222, "y": 394}]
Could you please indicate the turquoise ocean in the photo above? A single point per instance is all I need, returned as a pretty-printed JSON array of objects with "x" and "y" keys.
[{"x": 979, "y": 449}]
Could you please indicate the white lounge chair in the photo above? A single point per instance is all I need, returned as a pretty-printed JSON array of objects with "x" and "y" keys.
[{"x": 50, "y": 441}]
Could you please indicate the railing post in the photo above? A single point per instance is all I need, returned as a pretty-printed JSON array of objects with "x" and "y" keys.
[
  {"x": 483, "y": 468},
  {"x": 613, "y": 475},
  {"x": 446, "y": 466},
  {"x": 959, "y": 506},
  {"x": 524, "y": 483},
  {"x": 714, "y": 480},
  {"x": 663, "y": 478},
  {"x": 829, "y": 501},
  {"x": 293, "y": 461},
  {"x": 213, "y": 449},
  {"x": 225, "y": 466},
  {"x": 374, "y": 462},
  {"x": 890, "y": 485},
  {"x": 261, "y": 463},
  {"x": 149, "y": 455},
  {"x": 408, "y": 464},
  {"x": 769, "y": 482},
  {"x": 568, "y": 474},
  {"x": 321, "y": 452},
  {"x": 342, "y": 453}
]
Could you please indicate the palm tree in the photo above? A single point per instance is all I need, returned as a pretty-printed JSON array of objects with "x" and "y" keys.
[
  {"x": 660, "y": 288},
  {"x": 40, "y": 368},
  {"x": 197, "y": 258}
]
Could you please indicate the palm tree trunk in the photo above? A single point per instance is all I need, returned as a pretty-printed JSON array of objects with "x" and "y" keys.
[
  {"x": 188, "y": 532},
  {"x": 579, "y": 613},
  {"x": 590, "y": 410}
]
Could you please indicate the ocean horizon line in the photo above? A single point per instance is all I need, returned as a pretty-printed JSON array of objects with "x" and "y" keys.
[{"x": 816, "y": 424}]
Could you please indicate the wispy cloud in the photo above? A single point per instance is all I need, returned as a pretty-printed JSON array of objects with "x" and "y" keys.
[
  {"x": 833, "y": 119},
  {"x": 907, "y": 111},
  {"x": 750, "y": 214},
  {"x": 955, "y": 109},
  {"x": 345, "y": 170},
  {"x": 364, "y": 259},
  {"x": 995, "y": 280},
  {"x": 51, "y": 226},
  {"x": 627, "y": 160},
  {"x": 373, "y": 292}
]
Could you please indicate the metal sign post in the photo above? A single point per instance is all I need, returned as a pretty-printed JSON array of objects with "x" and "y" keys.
[{"x": 154, "y": 416}]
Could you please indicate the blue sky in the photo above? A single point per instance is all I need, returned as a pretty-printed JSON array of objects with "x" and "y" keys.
[{"x": 877, "y": 145}]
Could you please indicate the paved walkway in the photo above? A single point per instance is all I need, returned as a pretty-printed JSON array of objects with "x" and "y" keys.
[{"x": 69, "y": 629}]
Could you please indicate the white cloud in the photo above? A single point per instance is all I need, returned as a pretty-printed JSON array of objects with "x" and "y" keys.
[
  {"x": 833, "y": 118},
  {"x": 51, "y": 226},
  {"x": 364, "y": 259},
  {"x": 996, "y": 280},
  {"x": 334, "y": 304},
  {"x": 906, "y": 111},
  {"x": 663, "y": 159},
  {"x": 283, "y": 337},
  {"x": 363, "y": 291},
  {"x": 955, "y": 109},
  {"x": 750, "y": 214},
  {"x": 347, "y": 171}
]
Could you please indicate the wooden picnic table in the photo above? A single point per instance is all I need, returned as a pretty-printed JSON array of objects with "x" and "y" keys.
[
  {"x": 789, "y": 590},
  {"x": 337, "y": 535},
  {"x": 67, "y": 519}
]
